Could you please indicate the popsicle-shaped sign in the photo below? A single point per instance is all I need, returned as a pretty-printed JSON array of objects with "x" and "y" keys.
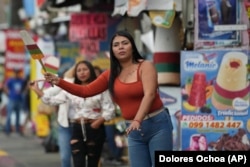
[
  {"x": 32, "y": 47},
  {"x": 51, "y": 64}
]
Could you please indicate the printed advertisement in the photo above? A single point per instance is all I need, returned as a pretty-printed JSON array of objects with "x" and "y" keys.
[
  {"x": 95, "y": 30},
  {"x": 215, "y": 100},
  {"x": 14, "y": 54},
  {"x": 68, "y": 53},
  {"x": 216, "y": 24}
]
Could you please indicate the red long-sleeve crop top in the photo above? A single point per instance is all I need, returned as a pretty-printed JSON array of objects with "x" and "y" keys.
[{"x": 128, "y": 96}]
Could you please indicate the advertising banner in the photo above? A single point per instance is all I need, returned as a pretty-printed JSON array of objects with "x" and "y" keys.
[
  {"x": 88, "y": 29},
  {"x": 14, "y": 54},
  {"x": 93, "y": 31},
  {"x": 68, "y": 53},
  {"x": 215, "y": 100},
  {"x": 219, "y": 24}
]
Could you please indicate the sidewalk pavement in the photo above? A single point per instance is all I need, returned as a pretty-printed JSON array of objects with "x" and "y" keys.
[{"x": 27, "y": 151}]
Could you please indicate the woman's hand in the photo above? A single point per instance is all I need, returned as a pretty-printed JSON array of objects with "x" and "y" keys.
[
  {"x": 51, "y": 78},
  {"x": 135, "y": 125},
  {"x": 33, "y": 85},
  {"x": 97, "y": 123}
]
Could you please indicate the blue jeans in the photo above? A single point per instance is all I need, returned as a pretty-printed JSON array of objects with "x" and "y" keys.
[
  {"x": 64, "y": 137},
  {"x": 155, "y": 134},
  {"x": 13, "y": 106},
  {"x": 116, "y": 152}
]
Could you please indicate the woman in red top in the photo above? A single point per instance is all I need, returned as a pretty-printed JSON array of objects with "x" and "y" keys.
[{"x": 132, "y": 83}]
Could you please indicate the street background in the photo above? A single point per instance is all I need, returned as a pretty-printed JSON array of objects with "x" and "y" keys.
[{"x": 27, "y": 151}]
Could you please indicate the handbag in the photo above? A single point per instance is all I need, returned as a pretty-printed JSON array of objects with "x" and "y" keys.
[{"x": 46, "y": 109}]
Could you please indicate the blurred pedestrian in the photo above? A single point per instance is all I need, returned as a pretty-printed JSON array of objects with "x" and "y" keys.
[{"x": 13, "y": 90}]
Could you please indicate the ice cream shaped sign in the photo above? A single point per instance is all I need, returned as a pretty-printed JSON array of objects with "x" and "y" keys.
[
  {"x": 231, "y": 89},
  {"x": 32, "y": 47},
  {"x": 51, "y": 64},
  {"x": 34, "y": 50}
]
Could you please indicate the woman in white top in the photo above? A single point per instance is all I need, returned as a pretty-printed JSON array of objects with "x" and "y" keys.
[
  {"x": 64, "y": 130},
  {"x": 86, "y": 115}
]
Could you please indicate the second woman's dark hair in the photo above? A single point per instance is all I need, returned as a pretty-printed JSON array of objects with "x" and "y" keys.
[
  {"x": 115, "y": 67},
  {"x": 91, "y": 69}
]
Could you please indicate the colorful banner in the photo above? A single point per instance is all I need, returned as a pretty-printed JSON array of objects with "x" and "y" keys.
[
  {"x": 92, "y": 31},
  {"x": 15, "y": 53},
  {"x": 68, "y": 53},
  {"x": 88, "y": 29},
  {"x": 215, "y": 100},
  {"x": 217, "y": 23},
  {"x": 88, "y": 26}
]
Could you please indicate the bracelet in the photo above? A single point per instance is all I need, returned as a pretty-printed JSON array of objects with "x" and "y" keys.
[{"x": 136, "y": 120}]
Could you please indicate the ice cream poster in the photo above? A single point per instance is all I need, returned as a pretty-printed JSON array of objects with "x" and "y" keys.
[{"x": 215, "y": 100}]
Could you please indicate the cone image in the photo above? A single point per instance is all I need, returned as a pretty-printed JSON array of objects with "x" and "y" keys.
[{"x": 231, "y": 81}]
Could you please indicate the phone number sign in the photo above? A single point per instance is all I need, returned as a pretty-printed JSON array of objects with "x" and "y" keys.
[{"x": 211, "y": 124}]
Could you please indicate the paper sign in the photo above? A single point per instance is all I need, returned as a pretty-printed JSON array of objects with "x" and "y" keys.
[
  {"x": 32, "y": 47},
  {"x": 51, "y": 64}
]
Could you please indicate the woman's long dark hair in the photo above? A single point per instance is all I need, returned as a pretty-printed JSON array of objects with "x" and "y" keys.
[
  {"x": 91, "y": 69},
  {"x": 115, "y": 67}
]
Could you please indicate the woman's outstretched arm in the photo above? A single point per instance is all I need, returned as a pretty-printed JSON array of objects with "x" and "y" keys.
[{"x": 97, "y": 86}]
